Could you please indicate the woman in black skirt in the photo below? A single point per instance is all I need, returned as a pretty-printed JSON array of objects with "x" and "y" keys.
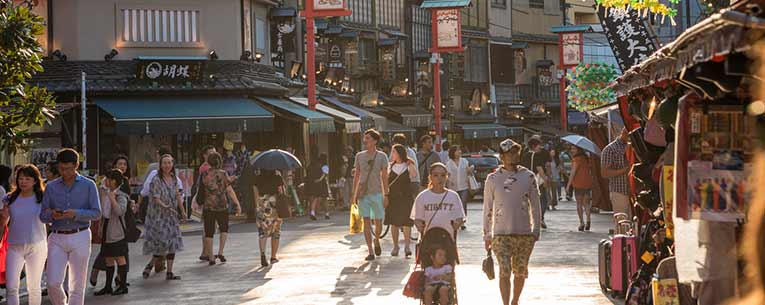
[
  {"x": 121, "y": 163},
  {"x": 114, "y": 247},
  {"x": 401, "y": 172}
]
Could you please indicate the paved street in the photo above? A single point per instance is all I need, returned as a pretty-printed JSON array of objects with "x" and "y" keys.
[{"x": 322, "y": 264}]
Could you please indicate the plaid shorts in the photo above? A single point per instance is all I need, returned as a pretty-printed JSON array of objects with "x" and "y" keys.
[{"x": 513, "y": 253}]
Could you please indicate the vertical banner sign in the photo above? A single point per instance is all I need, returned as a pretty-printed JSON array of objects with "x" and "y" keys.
[
  {"x": 448, "y": 28},
  {"x": 571, "y": 45},
  {"x": 627, "y": 35}
]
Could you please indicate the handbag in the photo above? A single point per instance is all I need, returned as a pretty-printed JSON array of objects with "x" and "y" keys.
[
  {"x": 132, "y": 232},
  {"x": 356, "y": 223},
  {"x": 415, "y": 285},
  {"x": 488, "y": 265},
  {"x": 283, "y": 205}
]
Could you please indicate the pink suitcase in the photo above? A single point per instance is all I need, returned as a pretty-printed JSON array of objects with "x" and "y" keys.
[{"x": 624, "y": 262}]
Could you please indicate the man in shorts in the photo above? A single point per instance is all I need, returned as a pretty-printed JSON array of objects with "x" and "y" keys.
[
  {"x": 512, "y": 216},
  {"x": 370, "y": 189}
]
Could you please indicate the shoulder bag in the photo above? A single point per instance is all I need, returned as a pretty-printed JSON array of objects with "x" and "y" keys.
[
  {"x": 129, "y": 227},
  {"x": 415, "y": 285}
]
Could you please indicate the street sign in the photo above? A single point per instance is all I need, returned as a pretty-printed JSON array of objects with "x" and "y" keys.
[
  {"x": 571, "y": 49},
  {"x": 447, "y": 24}
]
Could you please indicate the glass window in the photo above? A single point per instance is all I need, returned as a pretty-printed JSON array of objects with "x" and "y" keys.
[{"x": 260, "y": 34}]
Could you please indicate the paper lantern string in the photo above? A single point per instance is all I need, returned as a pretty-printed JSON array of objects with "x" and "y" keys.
[
  {"x": 643, "y": 7},
  {"x": 588, "y": 86}
]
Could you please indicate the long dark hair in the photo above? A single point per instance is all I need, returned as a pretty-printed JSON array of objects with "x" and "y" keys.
[
  {"x": 580, "y": 152},
  {"x": 122, "y": 157},
  {"x": 31, "y": 171},
  {"x": 556, "y": 156},
  {"x": 172, "y": 171},
  {"x": 401, "y": 152}
]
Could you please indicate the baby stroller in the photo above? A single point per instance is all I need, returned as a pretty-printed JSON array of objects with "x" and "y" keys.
[{"x": 435, "y": 238}]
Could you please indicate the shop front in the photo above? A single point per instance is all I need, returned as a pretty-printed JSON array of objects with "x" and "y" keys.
[{"x": 474, "y": 136}]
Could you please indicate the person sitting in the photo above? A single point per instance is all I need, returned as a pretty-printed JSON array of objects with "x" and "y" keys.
[{"x": 438, "y": 278}]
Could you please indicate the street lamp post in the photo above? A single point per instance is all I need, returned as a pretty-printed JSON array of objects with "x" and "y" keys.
[{"x": 312, "y": 10}]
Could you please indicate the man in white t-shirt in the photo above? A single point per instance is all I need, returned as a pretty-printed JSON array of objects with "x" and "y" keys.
[{"x": 512, "y": 217}]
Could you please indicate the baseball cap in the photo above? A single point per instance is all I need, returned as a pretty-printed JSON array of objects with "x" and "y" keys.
[{"x": 506, "y": 145}]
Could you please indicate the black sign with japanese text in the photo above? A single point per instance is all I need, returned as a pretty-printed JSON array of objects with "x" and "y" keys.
[
  {"x": 170, "y": 71},
  {"x": 627, "y": 35}
]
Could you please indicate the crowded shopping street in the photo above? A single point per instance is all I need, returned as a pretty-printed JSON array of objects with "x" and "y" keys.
[{"x": 363, "y": 152}]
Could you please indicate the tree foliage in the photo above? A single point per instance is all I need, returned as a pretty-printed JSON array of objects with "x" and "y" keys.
[{"x": 21, "y": 105}]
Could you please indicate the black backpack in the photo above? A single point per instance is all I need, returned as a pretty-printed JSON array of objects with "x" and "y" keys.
[{"x": 132, "y": 232}]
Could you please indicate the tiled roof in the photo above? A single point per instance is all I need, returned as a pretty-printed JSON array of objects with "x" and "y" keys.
[{"x": 105, "y": 77}]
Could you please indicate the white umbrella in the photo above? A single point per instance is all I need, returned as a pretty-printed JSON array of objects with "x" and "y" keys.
[{"x": 582, "y": 142}]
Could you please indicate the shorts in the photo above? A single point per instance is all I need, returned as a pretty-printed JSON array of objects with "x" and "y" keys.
[
  {"x": 371, "y": 206},
  {"x": 210, "y": 217},
  {"x": 582, "y": 192},
  {"x": 513, "y": 253}
]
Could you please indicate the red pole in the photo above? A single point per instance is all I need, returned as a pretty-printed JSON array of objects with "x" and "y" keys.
[
  {"x": 437, "y": 98},
  {"x": 310, "y": 54},
  {"x": 563, "y": 104}
]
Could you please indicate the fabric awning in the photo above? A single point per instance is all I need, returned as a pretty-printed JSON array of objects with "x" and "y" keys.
[
  {"x": 368, "y": 119},
  {"x": 183, "y": 115},
  {"x": 351, "y": 123},
  {"x": 483, "y": 131},
  {"x": 392, "y": 128},
  {"x": 413, "y": 116},
  {"x": 317, "y": 122},
  {"x": 546, "y": 129}
]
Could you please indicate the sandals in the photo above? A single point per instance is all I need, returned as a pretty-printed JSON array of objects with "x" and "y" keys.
[
  {"x": 378, "y": 248},
  {"x": 274, "y": 260},
  {"x": 394, "y": 252},
  {"x": 370, "y": 257},
  {"x": 171, "y": 277},
  {"x": 263, "y": 261},
  {"x": 407, "y": 253},
  {"x": 105, "y": 291},
  {"x": 147, "y": 271},
  {"x": 221, "y": 258}
]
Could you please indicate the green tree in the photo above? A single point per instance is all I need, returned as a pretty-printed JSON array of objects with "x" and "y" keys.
[{"x": 21, "y": 105}]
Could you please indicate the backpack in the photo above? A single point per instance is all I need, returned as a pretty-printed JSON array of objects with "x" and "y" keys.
[{"x": 132, "y": 232}]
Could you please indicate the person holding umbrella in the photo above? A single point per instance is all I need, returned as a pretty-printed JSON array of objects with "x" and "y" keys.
[{"x": 581, "y": 181}]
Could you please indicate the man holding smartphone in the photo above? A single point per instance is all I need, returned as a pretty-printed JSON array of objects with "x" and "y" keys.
[{"x": 69, "y": 204}]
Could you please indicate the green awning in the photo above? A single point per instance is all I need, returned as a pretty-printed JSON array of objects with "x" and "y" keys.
[
  {"x": 392, "y": 128},
  {"x": 413, "y": 116},
  {"x": 186, "y": 115},
  {"x": 368, "y": 119},
  {"x": 351, "y": 123},
  {"x": 444, "y": 3},
  {"x": 317, "y": 122},
  {"x": 484, "y": 131}
]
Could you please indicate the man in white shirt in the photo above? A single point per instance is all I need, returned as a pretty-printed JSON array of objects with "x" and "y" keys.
[{"x": 511, "y": 219}]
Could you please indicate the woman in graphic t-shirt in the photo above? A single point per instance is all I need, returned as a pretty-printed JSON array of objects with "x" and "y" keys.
[{"x": 450, "y": 216}]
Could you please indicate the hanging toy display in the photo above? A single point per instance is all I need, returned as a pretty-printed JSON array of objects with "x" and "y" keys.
[
  {"x": 588, "y": 84},
  {"x": 643, "y": 7}
]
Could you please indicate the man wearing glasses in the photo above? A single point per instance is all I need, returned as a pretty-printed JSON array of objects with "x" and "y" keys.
[{"x": 69, "y": 204}]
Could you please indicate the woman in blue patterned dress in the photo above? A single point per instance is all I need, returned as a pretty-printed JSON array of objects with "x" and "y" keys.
[{"x": 163, "y": 231}]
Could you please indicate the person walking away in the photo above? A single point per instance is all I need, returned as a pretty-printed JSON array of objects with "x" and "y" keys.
[
  {"x": 318, "y": 189},
  {"x": 401, "y": 173},
  {"x": 450, "y": 216},
  {"x": 614, "y": 167},
  {"x": 512, "y": 216},
  {"x": 400, "y": 139},
  {"x": 444, "y": 153},
  {"x": 459, "y": 171},
  {"x": 114, "y": 246},
  {"x": 267, "y": 186},
  {"x": 216, "y": 188},
  {"x": 26, "y": 235},
  {"x": 426, "y": 157},
  {"x": 347, "y": 179},
  {"x": 206, "y": 152},
  {"x": 581, "y": 181},
  {"x": 163, "y": 232},
  {"x": 370, "y": 189},
  {"x": 69, "y": 205},
  {"x": 120, "y": 163},
  {"x": 555, "y": 174},
  {"x": 537, "y": 160}
]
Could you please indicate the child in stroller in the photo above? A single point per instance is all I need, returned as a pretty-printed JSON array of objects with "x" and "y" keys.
[{"x": 438, "y": 278}]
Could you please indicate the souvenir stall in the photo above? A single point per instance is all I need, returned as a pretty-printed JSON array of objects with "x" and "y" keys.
[{"x": 691, "y": 119}]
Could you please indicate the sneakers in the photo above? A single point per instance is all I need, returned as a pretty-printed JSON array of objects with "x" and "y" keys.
[{"x": 370, "y": 257}]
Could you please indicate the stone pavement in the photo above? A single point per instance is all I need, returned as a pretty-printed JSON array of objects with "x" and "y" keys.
[{"x": 322, "y": 264}]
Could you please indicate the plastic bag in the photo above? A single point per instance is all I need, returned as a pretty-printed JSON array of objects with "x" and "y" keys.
[{"x": 356, "y": 223}]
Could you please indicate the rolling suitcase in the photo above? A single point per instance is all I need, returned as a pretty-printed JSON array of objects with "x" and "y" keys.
[
  {"x": 624, "y": 262},
  {"x": 604, "y": 264}
]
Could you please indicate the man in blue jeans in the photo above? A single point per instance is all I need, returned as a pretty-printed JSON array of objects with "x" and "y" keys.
[
  {"x": 370, "y": 189},
  {"x": 69, "y": 204}
]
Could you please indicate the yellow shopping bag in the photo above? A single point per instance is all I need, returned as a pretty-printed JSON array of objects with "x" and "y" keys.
[{"x": 356, "y": 224}]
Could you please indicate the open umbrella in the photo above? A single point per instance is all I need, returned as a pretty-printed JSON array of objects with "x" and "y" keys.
[
  {"x": 582, "y": 142},
  {"x": 276, "y": 159}
]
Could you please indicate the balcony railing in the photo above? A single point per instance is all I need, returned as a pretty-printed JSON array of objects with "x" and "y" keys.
[{"x": 528, "y": 93}]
